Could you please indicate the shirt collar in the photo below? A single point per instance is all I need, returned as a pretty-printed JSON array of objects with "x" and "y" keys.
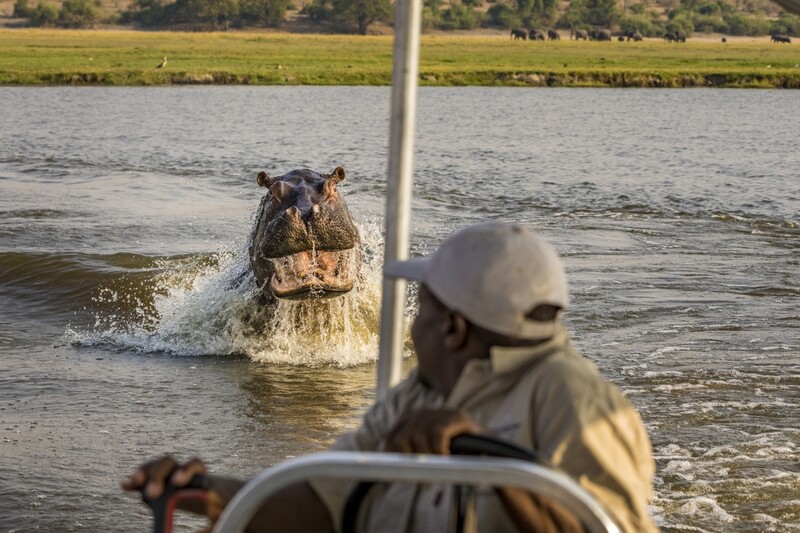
[{"x": 502, "y": 360}]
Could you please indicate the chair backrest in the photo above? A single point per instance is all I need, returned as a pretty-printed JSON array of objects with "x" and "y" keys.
[{"x": 485, "y": 471}]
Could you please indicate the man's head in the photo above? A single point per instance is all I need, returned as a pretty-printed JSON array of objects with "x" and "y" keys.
[
  {"x": 502, "y": 278},
  {"x": 495, "y": 275}
]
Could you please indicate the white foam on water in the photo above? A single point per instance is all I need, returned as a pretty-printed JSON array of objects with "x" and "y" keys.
[
  {"x": 721, "y": 451},
  {"x": 651, "y": 374},
  {"x": 677, "y": 387},
  {"x": 666, "y": 350},
  {"x": 760, "y": 517},
  {"x": 781, "y": 347},
  {"x": 671, "y": 451},
  {"x": 705, "y": 506},
  {"x": 202, "y": 309}
]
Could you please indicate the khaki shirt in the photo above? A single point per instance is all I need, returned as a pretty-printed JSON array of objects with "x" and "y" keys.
[{"x": 548, "y": 398}]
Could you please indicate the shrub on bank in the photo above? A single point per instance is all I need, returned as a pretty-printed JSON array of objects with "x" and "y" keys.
[
  {"x": 266, "y": 13},
  {"x": 23, "y": 9},
  {"x": 79, "y": 13},
  {"x": 741, "y": 24},
  {"x": 44, "y": 14},
  {"x": 786, "y": 25},
  {"x": 503, "y": 16},
  {"x": 648, "y": 24},
  {"x": 459, "y": 17},
  {"x": 346, "y": 15},
  {"x": 710, "y": 24},
  {"x": 681, "y": 20},
  {"x": 73, "y": 13}
]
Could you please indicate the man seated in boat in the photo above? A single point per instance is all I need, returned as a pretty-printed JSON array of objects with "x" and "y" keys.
[{"x": 493, "y": 358}]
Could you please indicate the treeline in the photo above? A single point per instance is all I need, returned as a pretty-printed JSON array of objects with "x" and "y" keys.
[
  {"x": 689, "y": 16},
  {"x": 347, "y": 16}
]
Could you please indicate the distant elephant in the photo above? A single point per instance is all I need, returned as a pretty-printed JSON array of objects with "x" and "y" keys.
[
  {"x": 518, "y": 34},
  {"x": 600, "y": 35},
  {"x": 553, "y": 35},
  {"x": 579, "y": 34},
  {"x": 621, "y": 38},
  {"x": 680, "y": 36},
  {"x": 636, "y": 37},
  {"x": 669, "y": 37},
  {"x": 536, "y": 35},
  {"x": 781, "y": 39}
]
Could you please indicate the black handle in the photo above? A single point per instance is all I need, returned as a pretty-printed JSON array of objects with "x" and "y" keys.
[
  {"x": 160, "y": 506},
  {"x": 469, "y": 444}
]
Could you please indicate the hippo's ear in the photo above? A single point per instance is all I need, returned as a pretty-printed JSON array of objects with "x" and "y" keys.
[
  {"x": 264, "y": 180},
  {"x": 337, "y": 175}
]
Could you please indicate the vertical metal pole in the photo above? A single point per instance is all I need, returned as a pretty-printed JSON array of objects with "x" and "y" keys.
[{"x": 398, "y": 194}]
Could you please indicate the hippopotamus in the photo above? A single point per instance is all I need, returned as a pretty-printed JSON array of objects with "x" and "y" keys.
[{"x": 304, "y": 242}]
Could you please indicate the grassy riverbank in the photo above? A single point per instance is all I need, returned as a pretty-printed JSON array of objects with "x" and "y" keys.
[{"x": 99, "y": 57}]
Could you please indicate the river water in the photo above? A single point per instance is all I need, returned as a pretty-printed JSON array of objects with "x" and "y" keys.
[{"x": 124, "y": 215}]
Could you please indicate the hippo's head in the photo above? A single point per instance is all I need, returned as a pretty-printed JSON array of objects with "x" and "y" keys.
[{"x": 304, "y": 242}]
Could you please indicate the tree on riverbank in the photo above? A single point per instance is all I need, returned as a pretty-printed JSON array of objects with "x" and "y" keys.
[
  {"x": 343, "y": 15},
  {"x": 210, "y": 14}
]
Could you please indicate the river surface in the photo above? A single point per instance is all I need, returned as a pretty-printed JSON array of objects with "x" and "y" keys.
[{"x": 124, "y": 333}]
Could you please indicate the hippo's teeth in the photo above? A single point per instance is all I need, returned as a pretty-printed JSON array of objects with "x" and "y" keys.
[{"x": 322, "y": 271}]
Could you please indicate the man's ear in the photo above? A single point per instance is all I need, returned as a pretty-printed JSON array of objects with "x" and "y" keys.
[{"x": 457, "y": 331}]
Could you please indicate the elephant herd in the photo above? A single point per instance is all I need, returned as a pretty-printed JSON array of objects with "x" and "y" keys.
[
  {"x": 534, "y": 35},
  {"x": 586, "y": 35},
  {"x": 678, "y": 36}
]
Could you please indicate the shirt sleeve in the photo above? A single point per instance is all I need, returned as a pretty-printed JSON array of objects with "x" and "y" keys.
[
  {"x": 377, "y": 421},
  {"x": 592, "y": 432}
]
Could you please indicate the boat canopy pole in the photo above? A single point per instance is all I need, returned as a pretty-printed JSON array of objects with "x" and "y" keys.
[{"x": 398, "y": 194}]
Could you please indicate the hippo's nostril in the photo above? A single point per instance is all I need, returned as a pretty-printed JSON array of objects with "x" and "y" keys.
[{"x": 293, "y": 213}]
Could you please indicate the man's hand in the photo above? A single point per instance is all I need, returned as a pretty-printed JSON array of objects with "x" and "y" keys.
[
  {"x": 151, "y": 478},
  {"x": 429, "y": 431},
  {"x": 295, "y": 508}
]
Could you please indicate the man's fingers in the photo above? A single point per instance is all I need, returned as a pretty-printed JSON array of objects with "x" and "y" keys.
[
  {"x": 159, "y": 471},
  {"x": 184, "y": 474},
  {"x": 135, "y": 481},
  {"x": 151, "y": 477}
]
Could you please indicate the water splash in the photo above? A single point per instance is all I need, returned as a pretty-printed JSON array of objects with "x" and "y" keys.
[{"x": 202, "y": 306}]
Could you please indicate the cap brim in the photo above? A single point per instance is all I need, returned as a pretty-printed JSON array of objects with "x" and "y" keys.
[{"x": 413, "y": 269}]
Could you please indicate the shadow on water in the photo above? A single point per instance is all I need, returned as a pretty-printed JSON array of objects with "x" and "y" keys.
[{"x": 305, "y": 407}]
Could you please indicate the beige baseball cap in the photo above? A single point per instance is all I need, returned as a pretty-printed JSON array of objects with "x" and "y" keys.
[{"x": 494, "y": 274}]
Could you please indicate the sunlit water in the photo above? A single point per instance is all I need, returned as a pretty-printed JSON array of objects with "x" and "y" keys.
[{"x": 129, "y": 327}]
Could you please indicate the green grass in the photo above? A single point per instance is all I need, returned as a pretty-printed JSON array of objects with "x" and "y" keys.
[{"x": 56, "y": 57}]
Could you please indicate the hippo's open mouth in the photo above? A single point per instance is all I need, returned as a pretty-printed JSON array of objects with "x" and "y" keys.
[{"x": 320, "y": 273}]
